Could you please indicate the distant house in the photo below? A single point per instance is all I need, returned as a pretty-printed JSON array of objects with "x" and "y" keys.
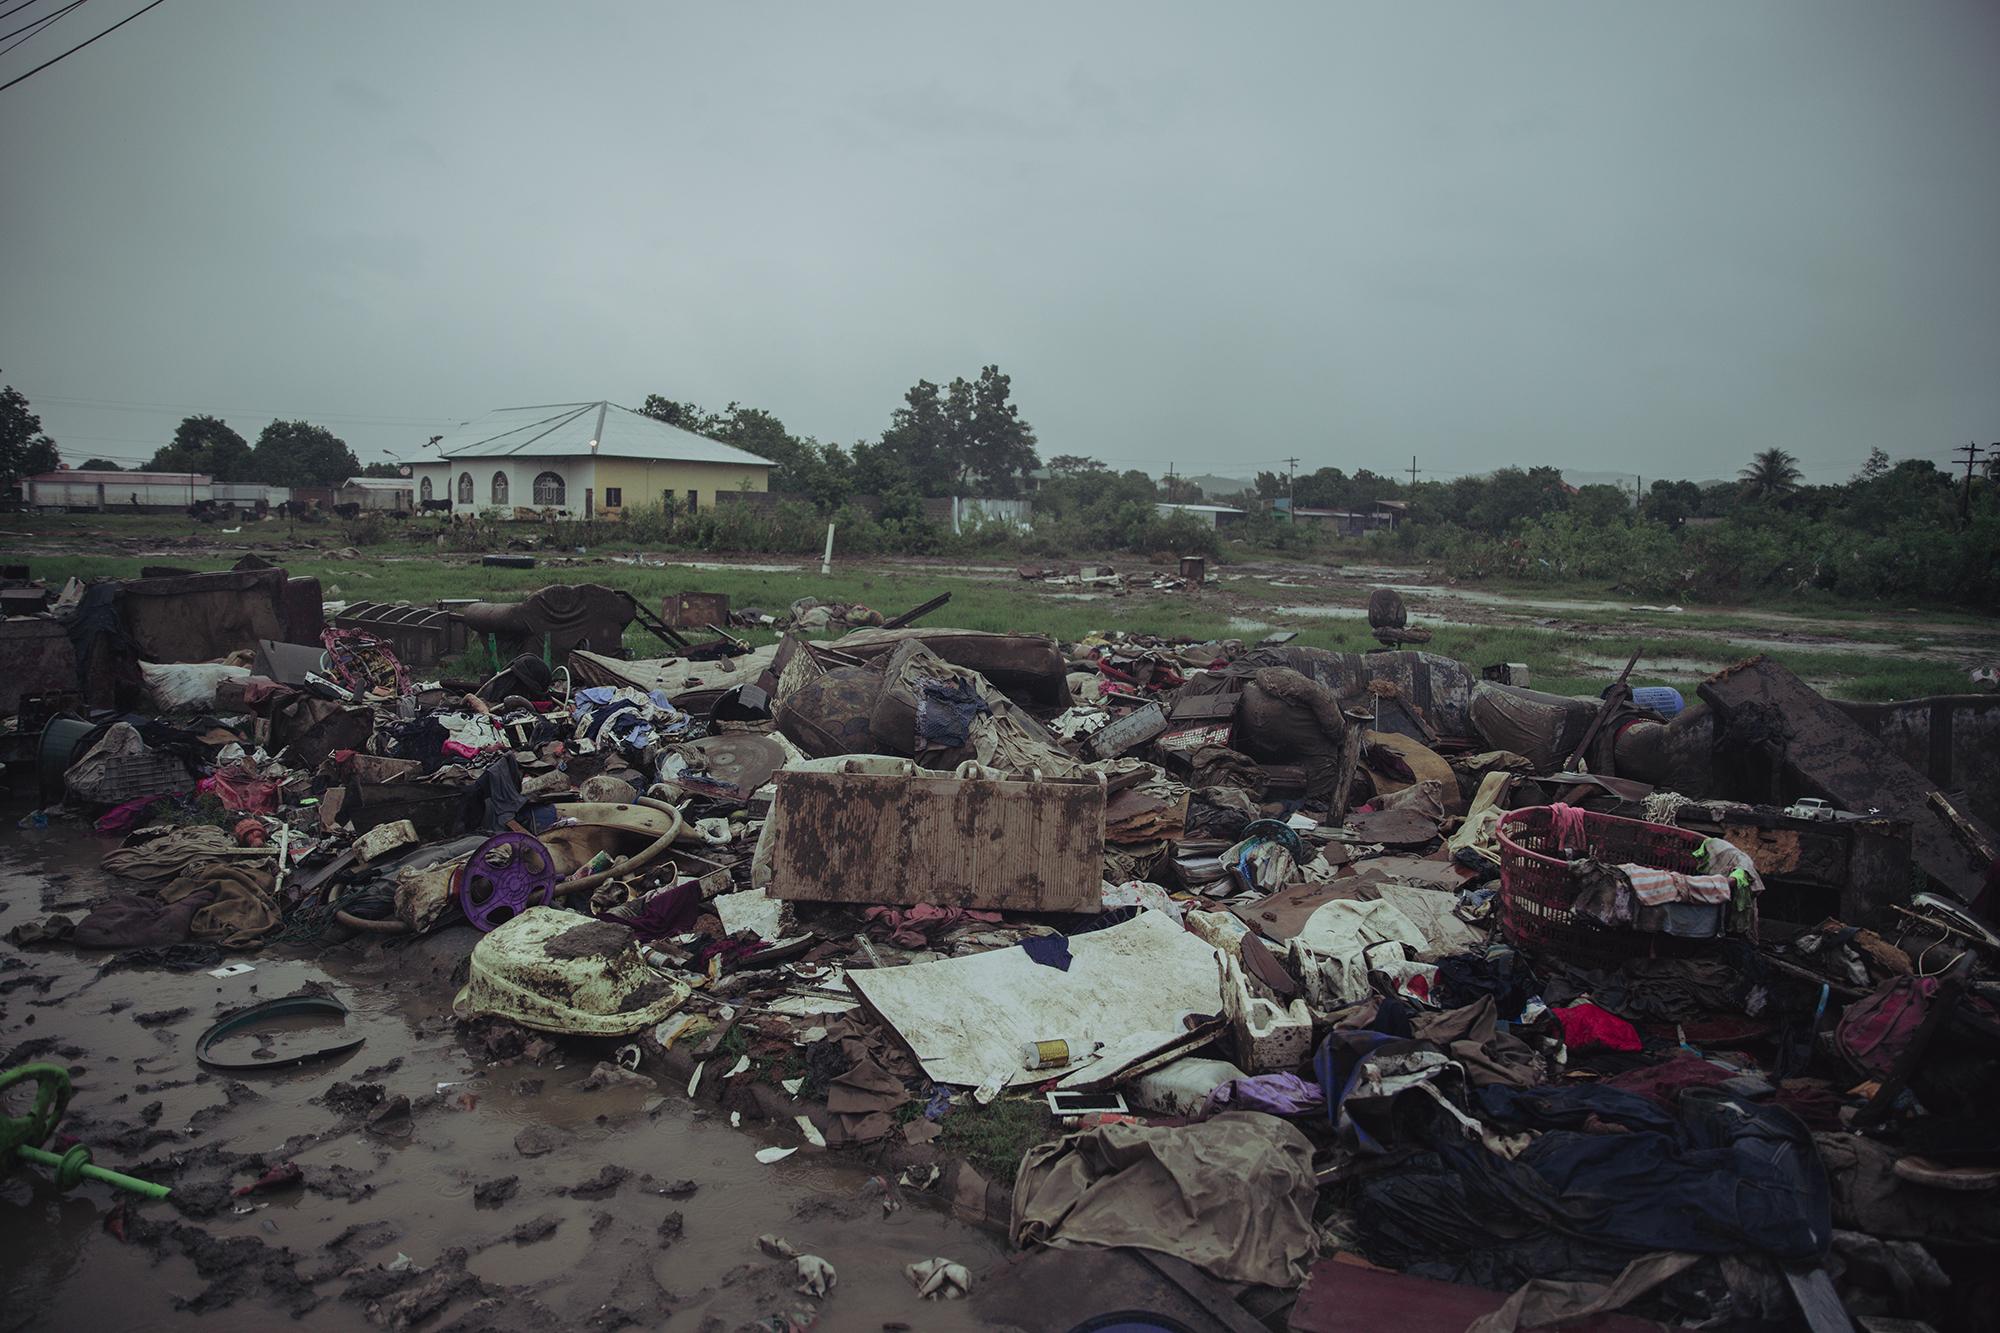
[
  {"x": 588, "y": 460},
  {"x": 391, "y": 494},
  {"x": 1347, "y": 522},
  {"x": 249, "y": 494},
  {"x": 139, "y": 492},
  {"x": 1216, "y": 516}
]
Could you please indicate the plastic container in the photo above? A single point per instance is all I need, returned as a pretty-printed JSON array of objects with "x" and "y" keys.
[
  {"x": 1537, "y": 885},
  {"x": 1662, "y": 699},
  {"x": 1182, "y": 1088},
  {"x": 1268, "y": 1038},
  {"x": 64, "y": 741}
]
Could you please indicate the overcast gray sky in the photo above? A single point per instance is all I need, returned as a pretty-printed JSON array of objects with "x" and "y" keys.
[{"x": 1607, "y": 236}]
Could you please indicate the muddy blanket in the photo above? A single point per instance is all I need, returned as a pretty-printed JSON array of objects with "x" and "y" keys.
[
  {"x": 137, "y": 921},
  {"x": 239, "y": 910},
  {"x": 1233, "y": 1195},
  {"x": 166, "y": 856}
]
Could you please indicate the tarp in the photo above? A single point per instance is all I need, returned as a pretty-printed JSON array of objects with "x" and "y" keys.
[{"x": 1232, "y": 1195}]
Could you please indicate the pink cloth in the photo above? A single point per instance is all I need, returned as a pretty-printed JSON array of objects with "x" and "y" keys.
[
  {"x": 913, "y": 927},
  {"x": 1566, "y": 826},
  {"x": 121, "y": 817}
]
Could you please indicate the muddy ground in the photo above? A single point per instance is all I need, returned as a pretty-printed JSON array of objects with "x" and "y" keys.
[{"x": 641, "y": 1208}]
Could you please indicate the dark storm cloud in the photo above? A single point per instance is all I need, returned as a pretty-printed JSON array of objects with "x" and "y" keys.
[{"x": 1607, "y": 237}]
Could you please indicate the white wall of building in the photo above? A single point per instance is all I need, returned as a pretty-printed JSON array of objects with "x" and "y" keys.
[{"x": 578, "y": 474}]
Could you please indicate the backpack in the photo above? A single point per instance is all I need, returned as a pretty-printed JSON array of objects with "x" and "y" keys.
[{"x": 1877, "y": 1029}]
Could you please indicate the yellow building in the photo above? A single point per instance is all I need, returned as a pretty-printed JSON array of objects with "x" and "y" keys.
[{"x": 580, "y": 460}]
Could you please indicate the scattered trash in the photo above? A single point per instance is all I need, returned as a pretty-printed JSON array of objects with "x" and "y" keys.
[
  {"x": 939, "y": 1279},
  {"x": 1224, "y": 951}
]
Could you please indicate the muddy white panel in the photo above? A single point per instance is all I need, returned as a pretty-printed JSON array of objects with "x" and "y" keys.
[{"x": 966, "y": 1019}]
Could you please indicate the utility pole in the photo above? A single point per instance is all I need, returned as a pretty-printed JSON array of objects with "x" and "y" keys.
[
  {"x": 1413, "y": 471},
  {"x": 1291, "y": 474},
  {"x": 1971, "y": 452}
]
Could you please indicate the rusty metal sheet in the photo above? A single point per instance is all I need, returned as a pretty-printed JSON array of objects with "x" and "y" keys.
[
  {"x": 1130, "y": 731},
  {"x": 1820, "y": 750},
  {"x": 692, "y": 610},
  {"x": 36, "y": 657},
  {"x": 930, "y": 838}
]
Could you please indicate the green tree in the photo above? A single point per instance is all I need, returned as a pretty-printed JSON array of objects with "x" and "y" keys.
[
  {"x": 877, "y": 470},
  {"x": 381, "y": 470},
  {"x": 102, "y": 465},
  {"x": 25, "y": 449},
  {"x": 1322, "y": 488},
  {"x": 967, "y": 436},
  {"x": 685, "y": 415},
  {"x": 298, "y": 453},
  {"x": 1512, "y": 494},
  {"x": 1877, "y": 464},
  {"x": 1063, "y": 465},
  {"x": 1671, "y": 502},
  {"x": 1601, "y": 505},
  {"x": 1772, "y": 475},
  {"x": 919, "y": 438},
  {"x": 207, "y": 445},
  {"x": 999, "y": 446},
  {"x": 1179, "y": 490}
]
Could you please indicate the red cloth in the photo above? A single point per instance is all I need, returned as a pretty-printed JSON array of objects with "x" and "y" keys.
[
  {"x": 1664, "y": 1082},
  {"x": 912, "y": 927},
  {"x": 1586, "y": 1027}
]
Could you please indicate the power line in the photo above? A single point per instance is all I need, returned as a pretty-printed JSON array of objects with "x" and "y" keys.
[
  {"x": 43, "y": 22},
  {"x": 56, "y": 60},
  {"x": 126, "y": 405},
  {"x": 25, "y": 4}
]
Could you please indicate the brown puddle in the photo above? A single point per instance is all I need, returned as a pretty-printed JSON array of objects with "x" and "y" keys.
[{"x": 142, "y": 1101}]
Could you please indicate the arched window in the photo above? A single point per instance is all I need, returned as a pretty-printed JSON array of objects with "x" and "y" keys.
[
  {"x": 499, "y": 488},
  {"x": 548, "y": 489},
  {"x": 424, "y": 491},
  {"x": 465, "y": 488}
]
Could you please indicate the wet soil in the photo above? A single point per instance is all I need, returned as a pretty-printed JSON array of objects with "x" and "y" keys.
[{"x": 413, "y": 1205}]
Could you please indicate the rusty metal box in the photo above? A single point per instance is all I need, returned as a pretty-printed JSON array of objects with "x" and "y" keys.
[
  {"x": 692, "y": 610},
  {"x": 1030, "y": 846}
]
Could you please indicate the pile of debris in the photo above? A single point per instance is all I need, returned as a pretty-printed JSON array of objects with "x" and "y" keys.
[{"x": 1359, "y": 982}]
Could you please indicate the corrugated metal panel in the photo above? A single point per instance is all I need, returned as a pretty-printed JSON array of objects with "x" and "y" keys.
[{"x": 565, "y": 430}]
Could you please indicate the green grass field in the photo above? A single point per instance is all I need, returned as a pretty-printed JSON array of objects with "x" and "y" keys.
[{"x": 404, "y": 571}]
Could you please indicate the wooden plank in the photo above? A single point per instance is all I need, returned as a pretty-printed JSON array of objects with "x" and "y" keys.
[
  {"x": 904, "y": 840},
  {"x": 1823, "y": 751}
]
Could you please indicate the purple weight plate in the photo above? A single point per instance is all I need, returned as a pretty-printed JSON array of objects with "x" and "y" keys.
[{"x": 491, "y": 894}]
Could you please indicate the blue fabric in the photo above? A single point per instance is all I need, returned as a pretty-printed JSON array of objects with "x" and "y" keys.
[
  {"x": 1724, "y": 1176},
  {"x": 1337, "y": 1065},
  {"x": 1568, "y": 1106},
  {"x": 1048, "y": 950}
]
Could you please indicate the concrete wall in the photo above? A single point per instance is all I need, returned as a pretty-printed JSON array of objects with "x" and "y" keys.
[{"x": 643, "y": 482}]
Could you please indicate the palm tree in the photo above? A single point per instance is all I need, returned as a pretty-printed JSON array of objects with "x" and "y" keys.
[{"x": 1771, "y": 474}]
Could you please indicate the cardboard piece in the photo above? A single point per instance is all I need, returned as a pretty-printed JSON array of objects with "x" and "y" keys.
[{"x": 934, "y": 838}]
